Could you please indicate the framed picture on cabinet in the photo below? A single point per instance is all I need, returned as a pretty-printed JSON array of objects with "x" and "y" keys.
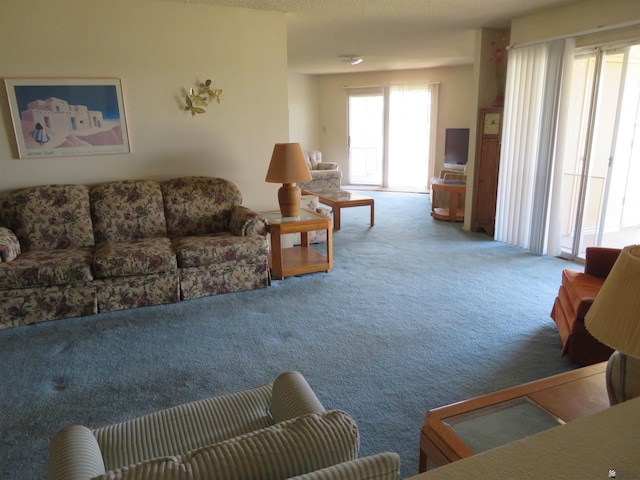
[
  {"x": 60, "y": 117},
  {"x": 492, "y": 123}
]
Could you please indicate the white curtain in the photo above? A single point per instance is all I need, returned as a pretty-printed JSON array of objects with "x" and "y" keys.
[
  {"x": 412, "y": 111},
  {"x": 529, "y": 166}
]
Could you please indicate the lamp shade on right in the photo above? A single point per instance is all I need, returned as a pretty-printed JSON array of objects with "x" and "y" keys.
[{"x": 614, "y": 317}]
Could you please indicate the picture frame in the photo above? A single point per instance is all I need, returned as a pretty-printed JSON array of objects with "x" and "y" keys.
[{"x": 60, "y": 117}]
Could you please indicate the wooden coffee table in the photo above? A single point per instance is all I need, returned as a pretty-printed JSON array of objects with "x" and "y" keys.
[
  {"x": 337, "y": 199},
  {"x": 465, "y": 428}
]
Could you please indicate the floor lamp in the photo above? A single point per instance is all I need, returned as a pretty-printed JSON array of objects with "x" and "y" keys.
[{"x": 614, "y": 319}]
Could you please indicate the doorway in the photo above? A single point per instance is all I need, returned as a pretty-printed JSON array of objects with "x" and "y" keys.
[
  {"x": 601, "y": 169},
  {"x": 391, "y": 136}
]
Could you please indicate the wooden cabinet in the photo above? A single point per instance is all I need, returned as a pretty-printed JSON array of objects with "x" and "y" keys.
[{"x": 485, "y": 180}]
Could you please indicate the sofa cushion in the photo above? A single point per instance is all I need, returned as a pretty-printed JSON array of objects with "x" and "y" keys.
[
  {"x": 284, "y": 450},
  {"x": 9, "y": 245},
  {"x": 43, "y": 268},
  {"x": 218, "y": 248},
  {"x": 25, "y": 306},
  {"x": 198, "y": 205},
  {"x": 313, "y": 158},
  {"x": 54, "y": 217},
  {"x": 127, "y": 210},
  {"x": 581, "y": 290},
  {"x": 137, "y": 257},
  {"x": 327, "y": 166}
]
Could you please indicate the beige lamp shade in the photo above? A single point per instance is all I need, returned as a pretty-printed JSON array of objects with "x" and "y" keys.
[
  {"x": 288, "y": 164},
  {"x": 288, "y": 167},
  {"x": 614, "y": 317}
]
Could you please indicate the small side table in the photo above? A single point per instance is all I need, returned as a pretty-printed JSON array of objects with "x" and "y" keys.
[
  {"x": 303, "y": 258},
  {"x": 455, "y": 211}
]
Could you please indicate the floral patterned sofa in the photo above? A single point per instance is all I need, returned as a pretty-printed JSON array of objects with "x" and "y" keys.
[{"x": 73, "y": 250}]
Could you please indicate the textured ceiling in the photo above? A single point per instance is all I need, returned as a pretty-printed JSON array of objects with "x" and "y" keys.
[{"x": 389, "y": 34}]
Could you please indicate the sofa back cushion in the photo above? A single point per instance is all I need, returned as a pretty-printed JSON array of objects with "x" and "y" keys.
[
  {"x": 198, "y": 205},
  {"x": 53, "y": 217},
  {"x": 295, "y": 447},
  {"x": 127, "y": 210},
  {"x": 8, "y": 204}
]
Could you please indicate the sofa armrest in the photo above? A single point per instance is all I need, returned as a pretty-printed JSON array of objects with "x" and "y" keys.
[
  {"x": 327, "y": 166},
  {"x": 291, "y": 397},
  {"x": 9, "y": 245},
  {"x": 74, "y": 454},
  {"x": 383, "y": 466},
  {"x": 245, "y": 222},
  {"x": 599, "y": 261}
]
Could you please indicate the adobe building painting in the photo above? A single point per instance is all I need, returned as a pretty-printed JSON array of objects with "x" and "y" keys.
[{"x": 61, "y": 120}]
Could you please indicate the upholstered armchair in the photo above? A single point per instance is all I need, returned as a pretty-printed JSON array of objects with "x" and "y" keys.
[
  {"x": 577, "y": 292},
  {"x": 275, "y": 431},
  {"x": 326, "y": 175}
]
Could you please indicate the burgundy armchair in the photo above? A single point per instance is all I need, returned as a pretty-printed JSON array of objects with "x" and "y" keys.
[{"x": 577, "y": 292}]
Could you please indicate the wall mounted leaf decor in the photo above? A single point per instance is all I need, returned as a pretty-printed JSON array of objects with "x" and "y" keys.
[{"x": 197, "y": 99}]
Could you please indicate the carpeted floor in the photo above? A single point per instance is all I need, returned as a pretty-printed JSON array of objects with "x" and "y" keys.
[{"x": 416, "y": 314}]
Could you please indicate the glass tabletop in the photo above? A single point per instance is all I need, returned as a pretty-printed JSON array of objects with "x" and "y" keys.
[
  {"x": 338, "y": 194},
  {"x": 499, "y": 424},
  {"x": 304, "y": 215}
]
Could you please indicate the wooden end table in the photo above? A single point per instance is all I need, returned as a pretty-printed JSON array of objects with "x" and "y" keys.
[
  {"x": 456, "y": 190},
  {"x": 302, "y": 258},
  {"x": 337, "y": 199},
  {"x": 447, "y": 432}
]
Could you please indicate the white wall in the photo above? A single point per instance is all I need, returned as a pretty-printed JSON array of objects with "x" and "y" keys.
[
  {"x": 304, "y": 112},
  {"x": 158, "y": 49},
  {"x": 575, "y": 19},
  {"x": 454, "y": 106}
]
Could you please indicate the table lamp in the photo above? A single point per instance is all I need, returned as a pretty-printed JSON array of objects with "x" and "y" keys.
[
  {"x": 288, "y": 167},
  {"x": 614, "y": 319}
]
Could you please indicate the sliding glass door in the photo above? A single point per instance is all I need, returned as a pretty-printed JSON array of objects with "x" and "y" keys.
[
  {"x": 366, "y": 138},
  {"x": 601, "y": 168},
  {"x": 409, "y": 136},
  {"x": 391, "y": 139}
]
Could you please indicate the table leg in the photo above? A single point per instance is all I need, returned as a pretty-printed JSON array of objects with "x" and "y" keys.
[
  {"x": 277, "y": 267},
  {"x": 336, "y": 218},
  {"x": 454, "y": 198},
  {"x": 372, "y": 213},
  {"x": 423, "y": 462},
  {"x": 329, "y": 248}
]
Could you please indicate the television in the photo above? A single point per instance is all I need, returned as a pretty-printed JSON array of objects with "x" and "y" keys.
[{"x": 456, "y": 148}]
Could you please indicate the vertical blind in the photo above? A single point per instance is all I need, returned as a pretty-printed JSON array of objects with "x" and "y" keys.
[{"x": 528, "y": 166}]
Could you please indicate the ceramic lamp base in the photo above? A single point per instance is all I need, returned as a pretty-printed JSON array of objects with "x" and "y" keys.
[
  {"x": 289, "y": 200},
  {"x": 623, "y": 377}
]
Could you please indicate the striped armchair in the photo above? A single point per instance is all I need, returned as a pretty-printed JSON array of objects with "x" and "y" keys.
[{"x": 275, "y": 431}]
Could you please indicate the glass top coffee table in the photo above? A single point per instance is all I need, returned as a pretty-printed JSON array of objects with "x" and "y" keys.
[
  {"x": 338, "y": 199},
  {"x": 472, "y": 426}
]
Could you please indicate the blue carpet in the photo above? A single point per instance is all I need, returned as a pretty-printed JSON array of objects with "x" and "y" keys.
[{"x": 416, "y": 314}]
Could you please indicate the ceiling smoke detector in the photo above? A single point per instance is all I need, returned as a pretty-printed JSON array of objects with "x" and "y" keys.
[{"x": 351, "y": 59}]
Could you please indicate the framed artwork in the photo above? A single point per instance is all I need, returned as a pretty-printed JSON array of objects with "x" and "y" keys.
[{"x": 65, "y": 117}]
